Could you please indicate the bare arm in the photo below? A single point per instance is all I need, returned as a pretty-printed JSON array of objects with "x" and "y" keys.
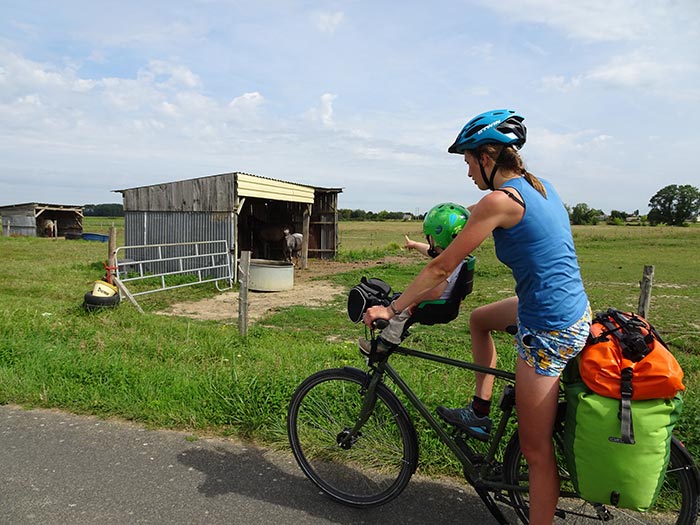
[{"x": 421, "y": 247}]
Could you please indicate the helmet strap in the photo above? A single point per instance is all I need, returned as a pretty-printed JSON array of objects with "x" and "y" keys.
[
  {"x": 432, "y": 252},
  {"x": 489, "y": 181}
]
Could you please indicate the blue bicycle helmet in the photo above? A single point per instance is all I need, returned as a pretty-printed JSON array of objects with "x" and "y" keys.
[{"x": 498, "y": 126}]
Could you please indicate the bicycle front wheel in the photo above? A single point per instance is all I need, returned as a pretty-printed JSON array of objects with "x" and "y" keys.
[
  {"x": 364, "y": 470},
  {"x": 677, "y": 503}
]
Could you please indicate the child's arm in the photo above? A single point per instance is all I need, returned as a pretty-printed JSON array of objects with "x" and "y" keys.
[{"x": 421, "y": 247}]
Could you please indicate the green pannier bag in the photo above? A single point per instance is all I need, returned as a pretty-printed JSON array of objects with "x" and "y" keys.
[{"x": 604, "y": 468}]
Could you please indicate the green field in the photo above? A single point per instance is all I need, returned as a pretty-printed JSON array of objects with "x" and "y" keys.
[{"x": 202, "y": 376}]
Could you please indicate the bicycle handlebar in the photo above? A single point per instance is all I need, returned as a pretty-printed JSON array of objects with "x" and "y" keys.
[{"x": 380, "y": 324}]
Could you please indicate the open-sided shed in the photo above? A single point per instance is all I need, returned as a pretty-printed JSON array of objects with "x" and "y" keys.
[
  {"x": 249, "y": 211},
  {"x": 35, "y": 219}
]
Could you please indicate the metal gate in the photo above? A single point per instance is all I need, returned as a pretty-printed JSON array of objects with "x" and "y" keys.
[{"x": 157, "y": 267}]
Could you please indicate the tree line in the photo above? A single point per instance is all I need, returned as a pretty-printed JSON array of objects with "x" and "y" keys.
[
  {"x": 103, "y": 210},
  {"x": 673, "y": 205}
]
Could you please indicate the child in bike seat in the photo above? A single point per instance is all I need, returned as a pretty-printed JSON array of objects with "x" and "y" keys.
[{"x": 441, "y": 303}]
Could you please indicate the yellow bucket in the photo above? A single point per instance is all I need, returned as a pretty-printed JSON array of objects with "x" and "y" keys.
[{"x": 104, "y": 289}]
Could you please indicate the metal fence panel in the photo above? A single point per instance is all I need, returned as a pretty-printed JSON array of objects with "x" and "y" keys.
[{"x": 174, "y": 265}]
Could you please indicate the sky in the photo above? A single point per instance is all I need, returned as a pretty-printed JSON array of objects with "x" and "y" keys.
[{"x": 363, "y": 95}]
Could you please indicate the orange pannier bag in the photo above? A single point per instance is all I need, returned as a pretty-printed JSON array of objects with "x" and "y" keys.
[{"x": 625, "y": 355}]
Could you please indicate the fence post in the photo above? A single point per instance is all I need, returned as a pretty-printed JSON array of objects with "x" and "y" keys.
[
  {"x": 305, "y": 241},
  {"x": 111, "y": 253},
  {"x": 645, "y": 291},
  {"x": 244, "y": 272}
]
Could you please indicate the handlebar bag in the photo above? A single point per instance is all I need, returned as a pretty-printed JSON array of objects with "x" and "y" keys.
[{"x": 370, "y": 292}]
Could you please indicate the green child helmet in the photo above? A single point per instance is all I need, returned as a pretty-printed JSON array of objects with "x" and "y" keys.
[{"x": 444, "y": 221}]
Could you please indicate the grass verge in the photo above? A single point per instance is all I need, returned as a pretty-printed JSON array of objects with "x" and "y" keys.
[{"x": 202, "y": 376}]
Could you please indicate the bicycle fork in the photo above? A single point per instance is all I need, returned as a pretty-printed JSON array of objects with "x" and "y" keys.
[{"x": 349, "y": 436}]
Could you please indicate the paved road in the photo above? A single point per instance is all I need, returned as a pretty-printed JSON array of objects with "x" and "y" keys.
[{"x": 58, "y": 468}]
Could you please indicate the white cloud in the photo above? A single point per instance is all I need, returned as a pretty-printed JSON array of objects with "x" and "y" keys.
[
  {"x": 602, "y": 138},
  {"x": 30, "y": 100},
  {"x": 247, "y": 101},
  {"x": 196, "y": 103},
  {"x": 169, "y": 75},
  {"x": 324, "y": 112},
  {"x": 387, "y": 154},
  {"x": 590, "y": 20},
  {"x": 245, "y": 108},
  {"x": 129, "y": 95},
  {"x": 484, "y": 51},
  {"x": 637, "y": 70},
  {"x": 559, "y": 83},
  {"x": 169, "y": 109},
  {"x": 328, "y": 22}
]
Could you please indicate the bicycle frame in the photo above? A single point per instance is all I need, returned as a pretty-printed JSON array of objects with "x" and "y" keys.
[
  {"x": 466, "y": 456},
  {"x": 341, "y": 413}
]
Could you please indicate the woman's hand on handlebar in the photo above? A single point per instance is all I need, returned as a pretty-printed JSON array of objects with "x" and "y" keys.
[{"x": 377, "y": 316}]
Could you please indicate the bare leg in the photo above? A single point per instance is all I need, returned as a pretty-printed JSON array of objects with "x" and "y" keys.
[
  {"x": 494, "y": 316},
  {"x": 536, "y": 402}
]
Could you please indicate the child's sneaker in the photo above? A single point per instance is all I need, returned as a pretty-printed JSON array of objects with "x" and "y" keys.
[
  {"x": 382, "y": 346},
  {"x": 466, "y": 419}
]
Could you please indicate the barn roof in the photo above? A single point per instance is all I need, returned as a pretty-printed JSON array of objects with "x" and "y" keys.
[
  {"x": 217, "y": 191},
  {"x": 338, "y": 190},
  {"x": 45, "y": 206}
]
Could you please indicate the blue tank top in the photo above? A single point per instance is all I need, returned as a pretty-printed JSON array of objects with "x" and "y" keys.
[{"x": 540, "y": 252}]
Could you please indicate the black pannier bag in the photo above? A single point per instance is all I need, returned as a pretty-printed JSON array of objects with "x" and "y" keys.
[{"x": 370, "y": 292}]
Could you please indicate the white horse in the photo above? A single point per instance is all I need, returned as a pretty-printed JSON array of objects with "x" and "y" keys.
[
  {"x": 292, "y": 246},
  {"x": 48, "y": 228}
]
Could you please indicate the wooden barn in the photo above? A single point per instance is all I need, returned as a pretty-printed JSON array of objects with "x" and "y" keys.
[
  {"x": 248, "y": 211},
  {"x": 34, "y": 219}
]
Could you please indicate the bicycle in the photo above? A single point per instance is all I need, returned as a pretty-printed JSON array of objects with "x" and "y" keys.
[{"x": 354, "y": 439}]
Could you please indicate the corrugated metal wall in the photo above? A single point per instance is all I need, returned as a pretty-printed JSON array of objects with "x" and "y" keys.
[{"x": 19, "y": 223}]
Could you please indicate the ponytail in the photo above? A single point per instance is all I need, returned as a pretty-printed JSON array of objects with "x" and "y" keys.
[
  {"x": 508, "y": 158},
  {"x": 535, "y": 183}
]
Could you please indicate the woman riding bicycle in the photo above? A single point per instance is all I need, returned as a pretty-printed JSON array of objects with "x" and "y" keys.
[{"x": 532, "y": 236}]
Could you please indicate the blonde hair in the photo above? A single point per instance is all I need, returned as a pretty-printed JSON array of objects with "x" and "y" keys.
[{"x": 508, "y": 158}]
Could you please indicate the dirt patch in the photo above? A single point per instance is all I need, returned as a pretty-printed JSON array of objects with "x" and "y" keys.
[{"x": 308, "y": 290}]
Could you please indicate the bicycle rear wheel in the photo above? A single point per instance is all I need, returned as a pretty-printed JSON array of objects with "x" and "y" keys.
[
  {"x": 372, "y": 467},
  {"x": 677, "y": 503}
]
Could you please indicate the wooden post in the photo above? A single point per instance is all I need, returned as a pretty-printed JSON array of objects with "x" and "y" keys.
[
  {"x": 305, "y": 242},
  {"x": 111, "y": 255},
  {"x": 243, "y": 273},
  {"x": 645, "y": 291}
]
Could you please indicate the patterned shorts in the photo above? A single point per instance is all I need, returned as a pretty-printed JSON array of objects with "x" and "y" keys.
[{"x": 549, "y": 351}]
